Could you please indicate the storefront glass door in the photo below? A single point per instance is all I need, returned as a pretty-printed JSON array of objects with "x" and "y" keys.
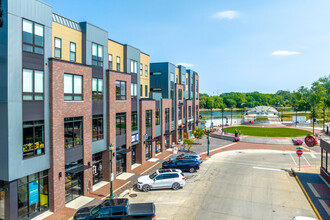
[
  {"x": 97, "y": 168},
  {"x": 167, "y": 141},
  {"x": 120, "y": 164},
  {"x": 148, "y": 150},
  {"x": 73, "y": 186},
  {"x": 133, "y": 154}
]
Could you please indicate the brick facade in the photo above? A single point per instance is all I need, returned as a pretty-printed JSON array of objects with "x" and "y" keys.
[
  {"x": 58, "y": 110},
  {"x": 165, "y": 103},
  {"x": 145, "y": 105},
  {"x": 113, "y": 107},
  {"x": 176, "y": 135}
]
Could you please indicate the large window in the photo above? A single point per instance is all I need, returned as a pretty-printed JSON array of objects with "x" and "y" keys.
[
  {"x": 97, "y": 89},
  {"x": 32, "y": 193},
  {"x": 120, "y": 90},
  {"x": 167, "y": 115},
  {"x": 172, "y": 93},
  {"x": 189, "y": 112},
  {"x": 146, "y": 70},
  {"x": 110, "y": 61},
  {"x": 141, "y": 69},
  {"x": 97, "y": 131},
  {"x": 57, "y": 47},
  {"x": 146, "y": 90},
  {"x": 180, "y": 113},
  {"x": 33, "y": 139},
  {"x": 33, "y": 37},
  {"x": 72, "y": 87},
  {"x": 148, "y": 118},
  {"x": 196, "y": 89},
  {"x": 73, "y": 132},
  {"x": 134, "y": 65},
  {"x": 173, "y": 114},
  {"x": 97, "y": 54},
  {"x": 134, "y": 121},
  {"x": 180, "y": 94},
  {"x": 120, "y": 123},
  {"x": 73, "y": 51},
  {"x": 133, "y": 91},
  {"x": 118, "y": 63},
  {"x": 158, "y": 117},
  {"x": 141, "y": 90},
  {"x": 33, "y": 85},
  {"x": 172, "y": 76}
]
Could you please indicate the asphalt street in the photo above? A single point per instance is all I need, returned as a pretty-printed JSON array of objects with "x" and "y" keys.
[{"x": 236, "y": 185}]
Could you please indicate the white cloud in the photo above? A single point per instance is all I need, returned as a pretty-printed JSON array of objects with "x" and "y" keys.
[
  {"x": 186, "y": 64},
  {"x": 284, "y": 53},
  {"x": 225, "y": 15}
]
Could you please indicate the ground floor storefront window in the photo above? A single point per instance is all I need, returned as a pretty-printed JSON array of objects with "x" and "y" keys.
[
  {"x": 97, "y": 168},
  {"x": 73, "y": 181},
  {"x": 325, "y": 163},
  {"x": 133, "y": 154},
  {"x": 167, "y": 141},
  {"x": 32, "y": 194},
  {"x": 120, "y": 164},
  {"x": 2, "y": 200},
  {"x": 148, "y": 150},
  {"x": 158, "y": 147}
]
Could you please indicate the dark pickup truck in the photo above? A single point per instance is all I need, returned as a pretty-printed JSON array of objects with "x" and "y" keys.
[{"x": 117, "y": 209}]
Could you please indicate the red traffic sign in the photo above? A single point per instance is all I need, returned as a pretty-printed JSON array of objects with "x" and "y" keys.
[
  {"x": 310, "y": 141},
  {"x": 299, "y": 153}
]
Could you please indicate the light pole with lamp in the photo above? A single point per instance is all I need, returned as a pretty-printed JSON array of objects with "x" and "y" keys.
[
  {"x": 111, "y": 174},
  {"x": 208, "y": 142},
  {"x": 323, "y": 118},
  {"x": 296, "y": 115},
  {"x": 231, "y": 115}
]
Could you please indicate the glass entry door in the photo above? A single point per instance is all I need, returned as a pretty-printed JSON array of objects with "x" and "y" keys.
[
  {"x": 73, "y": 186},
  {"x": 167, "y": 141},
  {"x": 148, "y": 150},
  {"x": 120, "y": 164}
]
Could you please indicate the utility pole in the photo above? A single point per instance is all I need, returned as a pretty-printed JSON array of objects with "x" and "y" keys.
[
  {"x": 222, "y": 110},
  {"x": 313, "y": 113},
  {"x": 323, "y": 118}
]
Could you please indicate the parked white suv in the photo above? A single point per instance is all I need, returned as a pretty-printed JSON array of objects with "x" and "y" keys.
[{"x": 162, "y": 178}]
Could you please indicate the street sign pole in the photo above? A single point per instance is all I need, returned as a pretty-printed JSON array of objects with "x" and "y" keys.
[{"x": 299, "y": 163}]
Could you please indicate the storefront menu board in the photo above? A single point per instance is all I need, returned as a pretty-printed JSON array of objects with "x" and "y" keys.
[{"x": 33, "y": 192}]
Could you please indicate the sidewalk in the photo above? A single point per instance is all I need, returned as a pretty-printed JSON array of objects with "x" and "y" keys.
[
  {"x": 316, "y": 191},
  {"x": 121, "y": 184}
]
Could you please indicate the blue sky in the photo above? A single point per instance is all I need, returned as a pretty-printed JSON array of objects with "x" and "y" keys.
[{"x": 239, "y": 45}]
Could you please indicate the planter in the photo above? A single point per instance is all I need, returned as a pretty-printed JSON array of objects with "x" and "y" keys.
[
  {"x": 237, "y": 139},
  {"x": 298, "y": 142}
]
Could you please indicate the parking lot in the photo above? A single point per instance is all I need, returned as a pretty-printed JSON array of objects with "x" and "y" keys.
[{"x": 234, "y": 185}]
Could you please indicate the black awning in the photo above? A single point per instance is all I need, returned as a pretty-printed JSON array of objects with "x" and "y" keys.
[
  {"x": 78, "y": 169},
  {"x": 169, "y": 133},
  {"x": 123, "y": 151}
]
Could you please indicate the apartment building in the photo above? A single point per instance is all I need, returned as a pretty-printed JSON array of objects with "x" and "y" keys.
[{"x": 68, "y": 92}]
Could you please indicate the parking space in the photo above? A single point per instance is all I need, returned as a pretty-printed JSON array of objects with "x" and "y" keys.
[{"x": 238, "y": 184}]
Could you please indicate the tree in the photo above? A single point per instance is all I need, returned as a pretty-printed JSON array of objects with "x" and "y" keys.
[
  {"x": 199, "y": 133},
  {"x": 187, "y": 141}
]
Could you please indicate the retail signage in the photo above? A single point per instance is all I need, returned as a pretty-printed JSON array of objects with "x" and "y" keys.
[
  {"x": 33, "y": 192},
  {"x": 135, "y": 138}
]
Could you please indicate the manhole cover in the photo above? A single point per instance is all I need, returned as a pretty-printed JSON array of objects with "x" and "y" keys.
[{"x": 133, "y": 195}]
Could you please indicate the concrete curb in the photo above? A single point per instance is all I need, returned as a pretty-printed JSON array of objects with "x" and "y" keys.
[{"x": 309, "y": 200}]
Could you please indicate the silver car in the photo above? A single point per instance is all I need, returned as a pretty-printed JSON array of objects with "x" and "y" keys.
[{"x": 161, "y": 179}]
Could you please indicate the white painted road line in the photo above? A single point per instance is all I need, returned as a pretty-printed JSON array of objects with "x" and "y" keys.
[
  {"x": 165, "y": 203},
  {"x": 306, "y": 160},
  {"x": 272, "y": 169},
  {"x": 312, "y": 155},
  {"x": 293, "y": 159}
]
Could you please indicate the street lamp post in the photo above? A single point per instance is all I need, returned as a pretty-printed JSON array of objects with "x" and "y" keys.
[
  {"x": 231, "y": 116},
  {"x": 323, "y": 118},
  {"x": 111, "y": 174},
  {"x": 313, "y": 113},
  {"x": 208, "y": 142},
  {"x": 222, "y": 110},
  {"x": 296, "y": 116}
]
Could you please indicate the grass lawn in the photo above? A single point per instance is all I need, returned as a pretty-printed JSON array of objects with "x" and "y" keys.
[{"x": 268, "y": 132}]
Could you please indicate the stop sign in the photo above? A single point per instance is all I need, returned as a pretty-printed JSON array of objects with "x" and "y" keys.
[
  {"x": 299, "y": 153},
  {"x": 310, "y": 141}
]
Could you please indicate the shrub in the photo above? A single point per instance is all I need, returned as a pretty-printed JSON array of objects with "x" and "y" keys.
[
  {"x": 298, "y": 142},
  {"x": 237, "y": 139}
]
